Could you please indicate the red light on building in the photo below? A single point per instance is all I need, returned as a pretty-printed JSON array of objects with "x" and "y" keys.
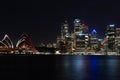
[{"x": 84, "y": 25}]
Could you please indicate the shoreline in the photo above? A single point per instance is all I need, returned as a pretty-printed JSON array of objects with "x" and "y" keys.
[{"x": 58, "y": 55}]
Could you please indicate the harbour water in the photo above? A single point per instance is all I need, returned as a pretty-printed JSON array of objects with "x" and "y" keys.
[{"x": 62, "y": 67}]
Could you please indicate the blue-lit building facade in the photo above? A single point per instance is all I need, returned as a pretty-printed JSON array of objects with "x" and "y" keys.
[{"x": 94, "y": 40}]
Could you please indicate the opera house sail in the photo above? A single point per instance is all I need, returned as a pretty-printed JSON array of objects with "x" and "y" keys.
[{"x": 24, "y": 45}]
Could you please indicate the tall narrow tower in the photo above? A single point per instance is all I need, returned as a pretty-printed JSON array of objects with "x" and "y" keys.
[
  {"x": 65, "y": 37},
  {"x": 80, "y": 35},
  {"x": 64, "y": 31},
  {"x": 117, "y": 40},
  {"x": 94, "y": 40},
  {"x": 111, "y": 37}
]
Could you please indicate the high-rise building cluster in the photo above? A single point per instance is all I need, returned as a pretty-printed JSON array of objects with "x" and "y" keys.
[{"x": 81, "y": 41}]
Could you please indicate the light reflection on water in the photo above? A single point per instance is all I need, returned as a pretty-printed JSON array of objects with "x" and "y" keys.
[
  {"x": 61, "y": 67},
  {"x": 89, "y": 68}
]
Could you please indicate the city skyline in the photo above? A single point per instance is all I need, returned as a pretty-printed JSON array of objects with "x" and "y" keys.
[
  {"x": 70, "y": 30},
  {"x": 78, "y": 42},
  {"x": 42, "y": 19}
]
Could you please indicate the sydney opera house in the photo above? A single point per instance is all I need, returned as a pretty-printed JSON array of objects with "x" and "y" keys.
[{"x": 24, "y": 45}]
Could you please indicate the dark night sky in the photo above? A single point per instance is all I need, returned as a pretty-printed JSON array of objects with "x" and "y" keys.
[{"x": 41, "y": 20}]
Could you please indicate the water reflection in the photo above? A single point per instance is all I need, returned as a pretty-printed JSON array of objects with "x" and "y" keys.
[
  {"x": 88, "y": 68},
  {"x": 94, "y": 70},
  {"x": 111, "y": 69},
  {"x": 62, "y": 67}
]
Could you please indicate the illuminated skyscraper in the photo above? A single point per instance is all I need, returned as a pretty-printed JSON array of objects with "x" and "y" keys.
[
  {"x": 94, "y": 40},
  {"x": 117, "y": 40},
  {"x": 80, "y": 35},
  {"x": 111, "y": 37},
  {"x": 64, "y": 31},
  {"x": 65, "y": 38}
]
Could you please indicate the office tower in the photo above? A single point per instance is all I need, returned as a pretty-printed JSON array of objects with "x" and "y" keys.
[
  {"x": 111, "y": 37},
  {"x": 65, "y": 37},
  {"x": 94, "y": 40},
  {"x": 64, "y": 31},
  {"x": 117, "y": 40},
  {"x": 80, "y": 35}
]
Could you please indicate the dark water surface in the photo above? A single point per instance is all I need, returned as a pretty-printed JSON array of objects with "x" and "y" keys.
[{"x": 52, "y": 67}]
